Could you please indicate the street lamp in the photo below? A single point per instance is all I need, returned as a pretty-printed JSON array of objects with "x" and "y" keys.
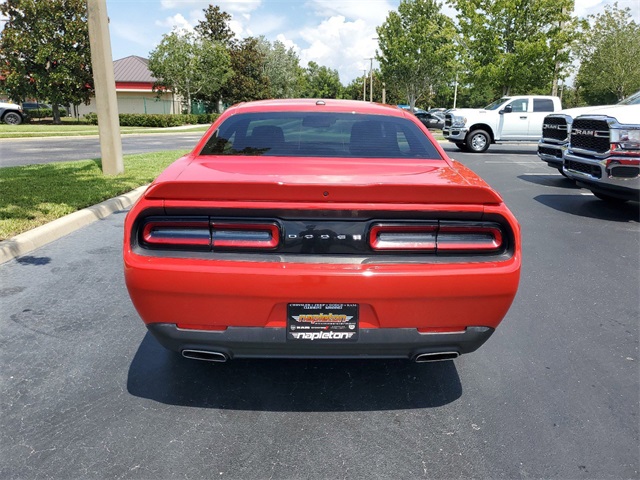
[
  {"x": 364, "y": 85},
  {"x": 371, "y": 80}
]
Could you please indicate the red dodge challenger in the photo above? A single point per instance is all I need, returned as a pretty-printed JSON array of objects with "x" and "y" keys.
[{"x": 320, "y": 229}]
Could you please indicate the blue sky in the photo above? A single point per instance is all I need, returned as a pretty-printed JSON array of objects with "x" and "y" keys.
[{"x": 335, "y": 33}]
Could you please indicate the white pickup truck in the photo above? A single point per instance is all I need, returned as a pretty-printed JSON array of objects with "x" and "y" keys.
[
  {"x": 510, "y": 119},
  {"x": 557, "y": 127},
  {"x": 603, "y": 154}
]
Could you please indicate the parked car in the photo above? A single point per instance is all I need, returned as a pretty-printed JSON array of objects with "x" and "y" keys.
[
  {"x": 11, "y": 113},
  {"x": 40, "y": 110},
  {"x": 432, "y": 119},
  {"x": 320, "y": 229}
]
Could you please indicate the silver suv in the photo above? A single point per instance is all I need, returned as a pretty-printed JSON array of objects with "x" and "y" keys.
[{"x": 11, "y": 113}]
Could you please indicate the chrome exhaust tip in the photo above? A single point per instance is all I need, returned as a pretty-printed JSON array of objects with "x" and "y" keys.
[
  {"x": 205, "y": 355},
  {"x": 436, "y": 357}
]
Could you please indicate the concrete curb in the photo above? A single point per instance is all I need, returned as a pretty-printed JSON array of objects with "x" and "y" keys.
[{"x": 36, "y": 238}]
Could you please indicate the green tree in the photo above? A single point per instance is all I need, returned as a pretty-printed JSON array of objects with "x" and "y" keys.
[
  {"x": 249, "y": 81},
  {"x": 321, "y": 82},
  {"x": 609, "y": 70},
  {"x": 514, "y": 46},
  {"x": 44, "y": 52},
  {"x": 215, "y": 25},
  {"x": 417, "y": 49},
  {"x": 282, "y": 68},
  {"x": 190, "y": 66},
  {"x": 354, "y": 90}
]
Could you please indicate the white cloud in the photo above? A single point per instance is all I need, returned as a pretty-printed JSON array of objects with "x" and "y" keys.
[
  {"x": 238, "y": 6},
  {"x": 178, "y": 4},
  {"x": 594, "y": 7},
  {"x": 340, "y": 44},
  {"x": 372, "y": 11},
  {"x": 176, "y": 22}
]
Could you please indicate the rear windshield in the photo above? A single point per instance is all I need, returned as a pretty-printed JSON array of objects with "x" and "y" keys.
[{"x": 304, "y": 134}]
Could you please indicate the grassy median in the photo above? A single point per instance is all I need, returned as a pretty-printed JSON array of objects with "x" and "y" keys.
[
  {"x": 33, "y": 195},
  {"x": 68, "y": 129}
]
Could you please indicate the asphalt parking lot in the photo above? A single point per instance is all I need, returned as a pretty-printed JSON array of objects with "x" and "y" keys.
[{"x": 85, "y": 392}]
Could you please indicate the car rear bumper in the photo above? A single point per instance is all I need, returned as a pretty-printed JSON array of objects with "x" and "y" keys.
[
  {"x": 251, "y": 342},
  {"x": 205, "y": 293}
]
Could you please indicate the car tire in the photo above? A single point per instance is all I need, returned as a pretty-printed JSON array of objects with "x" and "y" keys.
[
  {"x": 462, "y": 146},
  {"x": 12, "y": 118},
  {"x": 478, "y": 141},
  {"x": 609, "y": 199}
]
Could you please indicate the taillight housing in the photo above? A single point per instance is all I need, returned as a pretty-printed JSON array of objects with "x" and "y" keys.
[
  {"x": 263, "y": 236},
  {"x": 389, "y": 237},
  {"x": 441, "y": 237},
  {"x": 203, "y": 233},
  {"x": 176, "y": 233}
]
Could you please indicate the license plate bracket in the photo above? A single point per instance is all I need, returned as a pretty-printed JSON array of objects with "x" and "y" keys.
[{"x": 322, "y": 322}]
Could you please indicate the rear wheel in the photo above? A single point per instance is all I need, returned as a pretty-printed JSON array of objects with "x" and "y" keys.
[
  {"x": 12, "y": 118},
  {"x": 478, "y": 141}
]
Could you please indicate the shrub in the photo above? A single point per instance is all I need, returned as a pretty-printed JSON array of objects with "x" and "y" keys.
[{"x": 156, "y": 120}]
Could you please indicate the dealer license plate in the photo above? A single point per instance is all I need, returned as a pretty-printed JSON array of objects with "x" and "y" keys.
[{"x": 322, "y": 322}]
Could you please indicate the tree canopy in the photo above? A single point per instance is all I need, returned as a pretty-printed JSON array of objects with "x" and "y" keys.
[
  {"x": 417, "y": 49},
  {"x": 321, "y": 82},
  {"x": 514, "y": 46},
  {"x": 190, "y": 65},
  {"x": 215, "y": 25},
  {"x": 45, "y": 53},
  {"x": 609, "y": 70}
]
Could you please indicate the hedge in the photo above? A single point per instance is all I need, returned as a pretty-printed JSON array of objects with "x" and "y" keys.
[
  {"x": 43, "y": 113},
  {"x": 156, "y": 120}
]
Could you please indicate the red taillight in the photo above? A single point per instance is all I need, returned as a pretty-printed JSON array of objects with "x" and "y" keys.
[
  {"x": 245, "y": 235},
  {"x": 403, "y": 237},
  {"x": 469, "y": 238},
  {"x": 444, "y": 237},
  {"x": 177, "y": 233}
]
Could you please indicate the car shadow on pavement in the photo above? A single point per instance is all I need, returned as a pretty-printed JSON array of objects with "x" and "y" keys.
[
  {"x": 591, "y": 207},
  {"x": 290, "y": 385},
  {"x": 551, "y": 180}
]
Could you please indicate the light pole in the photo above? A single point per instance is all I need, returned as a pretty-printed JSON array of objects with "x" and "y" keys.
[
  {"x": 455, "y": 91},
  {"x": 371, "y": 86},
  {"x": 364, "y": 85},
  {"x": 370, "y": 80}
]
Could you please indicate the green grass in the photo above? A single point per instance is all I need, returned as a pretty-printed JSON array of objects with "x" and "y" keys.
[
  {"x": 35, "y": 129},
  {"x": 33, "y": 195}
]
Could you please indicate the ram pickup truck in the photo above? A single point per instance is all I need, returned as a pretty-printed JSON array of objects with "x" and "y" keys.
[
  {"x": 556, "y": 129},
  {"x": 510, "y": 119},
  {"x": 603, "y": 154}
]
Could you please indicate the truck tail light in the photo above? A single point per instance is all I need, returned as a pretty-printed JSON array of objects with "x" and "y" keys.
[
  {"x": 443, "y": 237},
  {"x": 177, "y": 233},
  {"x": 245, "y": 235}
]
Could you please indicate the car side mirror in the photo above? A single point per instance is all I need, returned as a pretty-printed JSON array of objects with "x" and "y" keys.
[{"x": 507, "y": 109}]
